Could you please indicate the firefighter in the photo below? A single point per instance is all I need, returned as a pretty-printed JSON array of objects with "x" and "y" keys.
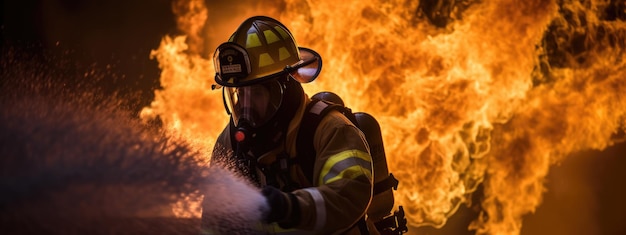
[{"x": 260, "y": 70}]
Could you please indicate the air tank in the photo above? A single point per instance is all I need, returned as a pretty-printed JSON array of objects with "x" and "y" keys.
[
  {"x": 328, "y": 96},
  {"x": 382, "y": 202}
]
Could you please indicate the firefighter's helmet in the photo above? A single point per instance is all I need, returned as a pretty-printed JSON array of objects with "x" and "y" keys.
[{"x": 262, "y": 49}]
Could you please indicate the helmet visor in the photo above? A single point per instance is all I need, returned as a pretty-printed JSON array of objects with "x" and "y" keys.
[{"x": 255, "y": 104}]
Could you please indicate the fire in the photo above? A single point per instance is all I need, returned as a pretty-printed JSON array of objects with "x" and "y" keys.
[{"x": 504, "y": 91}]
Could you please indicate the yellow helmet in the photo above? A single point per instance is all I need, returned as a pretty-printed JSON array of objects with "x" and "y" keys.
[{"x": 261, "y": 49}]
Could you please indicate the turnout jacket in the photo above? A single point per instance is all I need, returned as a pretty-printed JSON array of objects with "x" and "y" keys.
[{"x": 342, "y": 183}]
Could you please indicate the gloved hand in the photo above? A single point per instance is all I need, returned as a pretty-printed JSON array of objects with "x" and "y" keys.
[{"x": 284, "y": 207}]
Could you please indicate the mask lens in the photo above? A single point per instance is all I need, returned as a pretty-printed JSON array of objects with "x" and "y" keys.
[{"x": 254, "y": 104}]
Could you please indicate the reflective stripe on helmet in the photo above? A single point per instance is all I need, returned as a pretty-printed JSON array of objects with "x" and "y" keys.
[
  {"x": 270, "y": 37},
  {"x": 269, "y": 44},
  {"x": 283, "y": 53},
  {"x": 282, "y": 32},
  {"x": 265, "y": 59},
  {"x": 253, "y": 41},
  {"x": 270, "y": 52}
]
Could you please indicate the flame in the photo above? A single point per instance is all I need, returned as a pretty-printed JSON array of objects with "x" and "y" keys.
[{"x": 496, "y": 97}]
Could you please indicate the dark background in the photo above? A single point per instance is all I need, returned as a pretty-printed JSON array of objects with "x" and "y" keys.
[
  {"x": 109, "y": 38},
  {"x": 584, "y": 194}
]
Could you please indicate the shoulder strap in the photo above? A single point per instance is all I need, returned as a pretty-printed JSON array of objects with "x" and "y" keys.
[{"x": 314, "y": 113}]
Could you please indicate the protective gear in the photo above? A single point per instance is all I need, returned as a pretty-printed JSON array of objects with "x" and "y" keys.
[
  {"x": 343, "y": 161},
  {"x": 256, "y": 103},
  {"x": 260, "y": 69},
  {"x": 257, "y": 140},
  {"x": 263, "y": 49},
  {"x": 380, "y": 209},
  {"x": 283, "y": 207}
]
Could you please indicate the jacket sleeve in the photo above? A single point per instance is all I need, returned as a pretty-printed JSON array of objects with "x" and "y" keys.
[{"x": 342, "y": 175}]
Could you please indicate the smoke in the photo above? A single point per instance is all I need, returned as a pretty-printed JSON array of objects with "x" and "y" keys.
[
  {"x": 75, "y": 160},
  {"x": 232, "y": 205}
]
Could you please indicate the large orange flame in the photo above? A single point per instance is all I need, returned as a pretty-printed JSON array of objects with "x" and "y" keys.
[{"x": 506, "y": 90}]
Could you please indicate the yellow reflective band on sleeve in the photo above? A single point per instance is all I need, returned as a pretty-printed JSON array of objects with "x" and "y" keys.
[
  {"x": 265, "y": 59},
  {"x": 283, "y": 53},
  {"x": 270, "y": 36},
  {"x": 253, "y": 41},
  {"x": 347, "y": 164}
]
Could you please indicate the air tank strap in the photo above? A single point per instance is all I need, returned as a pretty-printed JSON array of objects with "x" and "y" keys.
[{"x": 386, "y": 184}]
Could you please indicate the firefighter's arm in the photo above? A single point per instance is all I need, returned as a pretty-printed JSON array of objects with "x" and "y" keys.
[{"x": 343, "y": 175}]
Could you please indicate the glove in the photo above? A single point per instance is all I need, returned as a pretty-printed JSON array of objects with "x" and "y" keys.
[{"x": 283, "y": 207}]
